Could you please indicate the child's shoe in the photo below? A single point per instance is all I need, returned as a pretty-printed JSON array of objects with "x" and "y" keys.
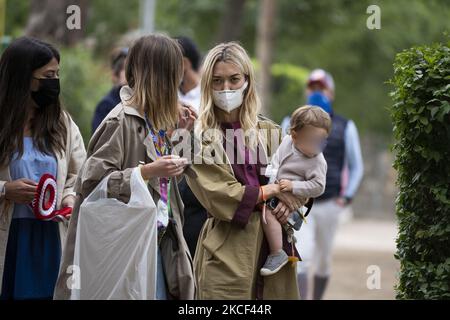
[{"x": 274, "y": 263}]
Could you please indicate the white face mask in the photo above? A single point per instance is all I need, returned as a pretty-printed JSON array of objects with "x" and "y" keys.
[{"x": 228, "y": 100}]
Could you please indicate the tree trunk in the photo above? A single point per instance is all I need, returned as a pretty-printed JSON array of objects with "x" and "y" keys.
[
  {"x": 264, "y": 43},
  {"x": 231, "y": 22},
  {"x": 47, "y": 21},
  {"x": 2, "y": 18}
]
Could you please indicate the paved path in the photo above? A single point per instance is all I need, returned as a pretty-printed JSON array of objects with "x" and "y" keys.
[{"x": 360, "y": 244}]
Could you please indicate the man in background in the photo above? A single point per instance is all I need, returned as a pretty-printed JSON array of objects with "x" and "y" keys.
[
  {"x": 112, "y": 99},
  {"x": 189, "y": 95},
  {"x": 189, "y": 91}
]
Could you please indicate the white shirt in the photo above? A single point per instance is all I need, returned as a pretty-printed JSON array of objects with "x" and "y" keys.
[{"x": 191, "y": 98}]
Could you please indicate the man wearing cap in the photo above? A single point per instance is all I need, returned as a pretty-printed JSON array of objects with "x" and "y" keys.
[{"x": 343, "y": 156}]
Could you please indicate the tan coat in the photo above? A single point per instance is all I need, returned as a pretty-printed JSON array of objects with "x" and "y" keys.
[
  {"x": 227, "y": 255},
  {"x": 120, "y": 143},
  {"x": 68, "y": 165}
]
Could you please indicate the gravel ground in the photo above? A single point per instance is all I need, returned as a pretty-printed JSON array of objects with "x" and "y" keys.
[{"x": 358, "y": 245}]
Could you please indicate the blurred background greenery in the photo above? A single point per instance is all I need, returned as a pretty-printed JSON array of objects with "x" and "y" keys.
[{"x": 306, "y": 34}]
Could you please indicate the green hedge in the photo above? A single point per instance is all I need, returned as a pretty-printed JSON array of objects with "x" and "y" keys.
[{"x": 421, "y": 119}]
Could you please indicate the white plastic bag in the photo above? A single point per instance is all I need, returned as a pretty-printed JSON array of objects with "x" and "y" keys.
[{"x": 116, "y": 244}]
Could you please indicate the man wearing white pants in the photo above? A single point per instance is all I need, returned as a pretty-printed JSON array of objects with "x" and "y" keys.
[{"x": 315, "y": 244}]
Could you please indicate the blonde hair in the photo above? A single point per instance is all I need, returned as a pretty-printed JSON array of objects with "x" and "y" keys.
[
  {"x": 310, "y": 115},
  {"x": 233, "y": 53},
  {"x": 154, "y": 69}
]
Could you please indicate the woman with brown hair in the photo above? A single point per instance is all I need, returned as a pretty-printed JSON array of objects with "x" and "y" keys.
[{"x": 134, "y": 135}]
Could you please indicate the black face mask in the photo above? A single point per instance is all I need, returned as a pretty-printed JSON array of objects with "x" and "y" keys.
[{"x": 48, "y": 92}]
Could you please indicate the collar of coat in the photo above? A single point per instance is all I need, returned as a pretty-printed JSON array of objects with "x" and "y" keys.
[
  {"x": 125, "y": 95},
  {"x": 264, "y": 141}
]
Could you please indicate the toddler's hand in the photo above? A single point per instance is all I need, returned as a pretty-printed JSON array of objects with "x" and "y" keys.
[{"x": 285, "y": 185}]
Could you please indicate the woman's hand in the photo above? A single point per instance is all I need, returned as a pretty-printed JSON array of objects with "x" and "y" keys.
[
  {"x": 282, "y": 212},
  {"x": 290, "y": 200},
  {"x": 167, "y": 166},
  {"x": 68, "y": 201},
  {"x": 187, "y": 117},
  {"x": 270, "y": 191},
  {"x": 20, "y": 191}
]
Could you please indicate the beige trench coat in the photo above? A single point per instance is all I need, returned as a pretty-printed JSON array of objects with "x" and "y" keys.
[
  {"x": 227, "y": 255},
  {"x": 120, "y": 144},
  {"x": 68, "y": 165}
]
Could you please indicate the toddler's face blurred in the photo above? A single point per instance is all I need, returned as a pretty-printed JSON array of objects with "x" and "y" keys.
[{"x": 310, "y": 140}]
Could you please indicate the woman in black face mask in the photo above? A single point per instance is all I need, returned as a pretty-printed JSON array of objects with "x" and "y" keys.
[
  {"x": 37, "y": 139},
  {"x": 47, "y": 93}
]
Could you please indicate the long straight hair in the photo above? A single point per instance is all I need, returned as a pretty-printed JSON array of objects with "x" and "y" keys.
[
  {"x": 17, "y": 64},
  {"x": 233, "y": 53},
  {"x": 154, "y": 69}
]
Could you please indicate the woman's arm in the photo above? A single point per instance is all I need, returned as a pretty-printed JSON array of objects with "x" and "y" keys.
[
  {"x": 354, "y": 160},
  {"x": 314, "y": 184},
  {"x": 75, "y": 158},
  {"x": 223, "y": 196},
  {"x": 106, "y": 152}
]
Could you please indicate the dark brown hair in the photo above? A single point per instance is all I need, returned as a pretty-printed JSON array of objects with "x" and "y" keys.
[{"x": 17, "y": 64}]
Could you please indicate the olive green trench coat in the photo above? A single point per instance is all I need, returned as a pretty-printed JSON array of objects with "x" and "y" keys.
[{"x": 227, "y": 259}]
